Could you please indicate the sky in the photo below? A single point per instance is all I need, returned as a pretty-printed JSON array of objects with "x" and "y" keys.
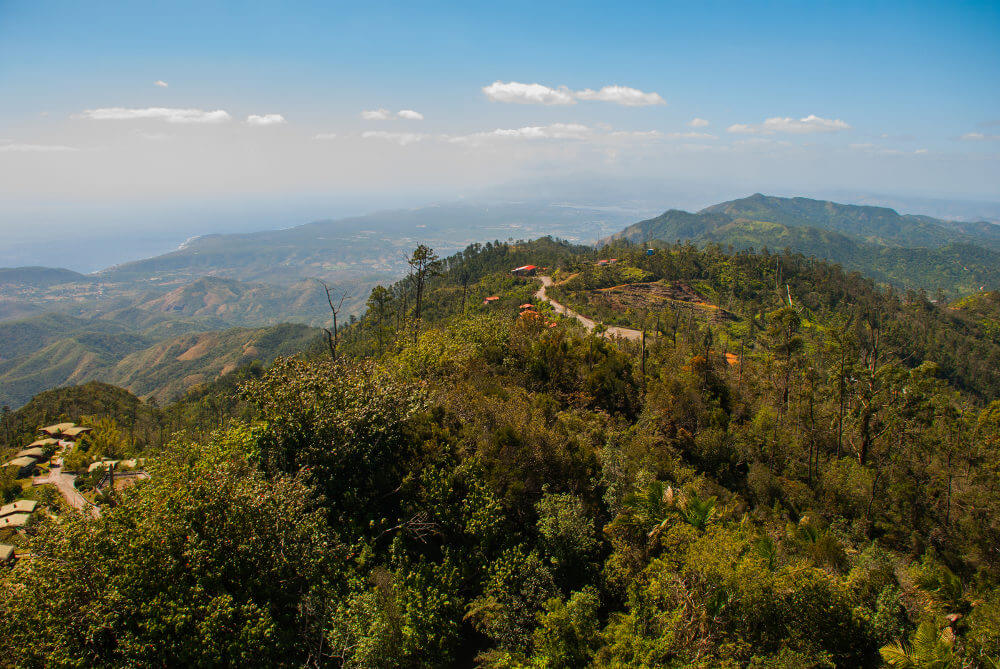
[{"x": 181, "y": 116}]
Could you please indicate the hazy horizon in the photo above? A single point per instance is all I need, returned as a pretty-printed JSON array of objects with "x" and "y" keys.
[{"x": 148, "y": 123}]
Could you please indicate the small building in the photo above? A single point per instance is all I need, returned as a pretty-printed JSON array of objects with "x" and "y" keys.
[
  {"x": 24, "y": 465},
  {"x": 101, "y": 464},
  {"x": 527, "y": 305},
  {"x": 608, "y": 261},
  {"x": 6, "y": 553},
  {"x": 525, "y": 270},
  {"x": 20, "y": 506},
  {"x": 58, "y": 428},
  {"x": 491, "y": 299},
  {"x": 650, "y": 252},
  {"x": 74, "y": 432},
  {"x": 37, "y": 453},
  {"x": 43, "y": 443},
  {"x": 14, "y": 521}
]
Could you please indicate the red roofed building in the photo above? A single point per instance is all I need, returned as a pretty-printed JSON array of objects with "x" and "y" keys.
[
  {"x": 491, "y": 299},
  {"x": 525, "y": 270}
]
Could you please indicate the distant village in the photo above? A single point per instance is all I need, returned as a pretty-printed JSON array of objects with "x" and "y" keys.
[{"x": 42, "y": 463}]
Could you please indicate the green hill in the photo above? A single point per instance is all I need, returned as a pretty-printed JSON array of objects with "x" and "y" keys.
[
  {"x": 163, "y": 370},
  {"x": 915, "y": 252},
  {"x": 793, "y": 467},
  {"x": 879, "y": 225}
]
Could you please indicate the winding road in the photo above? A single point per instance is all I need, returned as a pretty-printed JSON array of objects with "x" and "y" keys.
[
  {"x": 64, "y": 483},
  {"x": 610, "y": 332}
]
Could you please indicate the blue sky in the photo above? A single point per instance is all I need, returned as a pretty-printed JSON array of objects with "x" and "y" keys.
[{"x": 896, "y": 97}]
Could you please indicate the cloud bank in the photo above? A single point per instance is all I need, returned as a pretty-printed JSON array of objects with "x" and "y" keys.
[
  {"x": 386, "y": 115},
  {"x": 168, "y": 114},
  {"x": 515, "y": 92},
  {"x": 265, "y": 119},
  {"x": 803, "y": 126}
]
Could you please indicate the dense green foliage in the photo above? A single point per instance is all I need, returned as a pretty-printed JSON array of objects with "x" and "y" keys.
[{"x": 479, "y": 487}]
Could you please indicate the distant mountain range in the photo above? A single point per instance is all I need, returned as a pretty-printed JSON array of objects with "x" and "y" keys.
[
  {"x": 56, "y": 350},
  {"x": 907, "y": 251},
  {"x": 160, "y": 325},
  {"x": 133, "y": 324}
]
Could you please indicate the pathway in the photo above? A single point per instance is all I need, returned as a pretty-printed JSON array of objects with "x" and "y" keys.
[
  {"x": 611, "y": 331},
  {"x": 64, "y": 483}
]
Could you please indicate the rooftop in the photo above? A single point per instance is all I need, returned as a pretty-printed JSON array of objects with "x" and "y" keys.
[
  {"x": 14, "y": 520},
  {"x": 57, "y": 428},
  {"x": 20, "y": 506},
  {"x": 23, "y": 461}
]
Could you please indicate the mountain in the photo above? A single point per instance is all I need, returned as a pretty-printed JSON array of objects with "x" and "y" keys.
[
  {"x": 879, "y": 225},
  {"x": 169, "y": 368},
  {"x": 40, "y": 276},
  {"x": 365, "y": 248},
  {"x": 903, "y": 250},
  {"x": 138, "y": 362}
]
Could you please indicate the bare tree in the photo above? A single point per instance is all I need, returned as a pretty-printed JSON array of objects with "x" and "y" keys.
[{"x": 332, "y": 337}]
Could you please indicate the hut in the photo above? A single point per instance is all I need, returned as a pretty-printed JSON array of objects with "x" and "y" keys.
[
  {"x": 6, "y": 553},
  {"x": 14, "y": 521},
  {"x": 24, "y": 465},
  {"x": 74, "y": 432},
  {"x": 58, "y": 428},
  {"x": 525, "y": 270},
  {"x": 37, "y": 453},
  {"x": 43, "y": 443},
  {"x": 20, "y": 506}
]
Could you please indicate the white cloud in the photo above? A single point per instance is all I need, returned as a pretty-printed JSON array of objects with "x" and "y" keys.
[
  {"x": 160, "y": 83},
  {"x": 325, "y": 135},
  {"x": 698, "y": 123},
  {"x": 35, "y": 148},
  {"x": 978, "y": 137},
  {"x": 802, "y": 126},
  {"x": 410, "y": 115},
  {"x": 554, "y": 131},
  {"x": 623, "y": 95},
  {"x": 401, "y": 138},
  {"x": 168, "y": 114},
  {"x": 528, "y": 94},
  {"x": 265, "y": 119},
  {"x": 376, "y": 114},
  {"x": 538, "y": 94}
]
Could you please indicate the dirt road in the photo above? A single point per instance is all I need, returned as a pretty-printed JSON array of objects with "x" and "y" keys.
[
  {"x": 64, "y": 484},
  {"x": 611, "y": 331}
]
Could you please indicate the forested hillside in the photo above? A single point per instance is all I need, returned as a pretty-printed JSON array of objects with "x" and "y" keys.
[
  {"x": 905, "y": 251},
  {"x": 791, "y": 467},
  {"x": 162, "y": 362}
]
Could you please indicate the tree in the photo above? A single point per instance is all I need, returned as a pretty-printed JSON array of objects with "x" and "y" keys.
[
  {"x": 424, "y": 264},
  {"x": 205, "y": 564},
  {"x": 377, "y": 304}
]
